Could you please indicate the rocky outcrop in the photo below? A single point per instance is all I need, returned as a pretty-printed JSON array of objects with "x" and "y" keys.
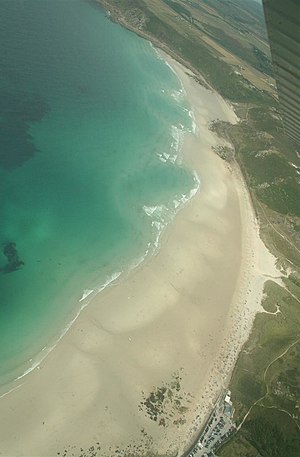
[{"x": 13, "y": 261}]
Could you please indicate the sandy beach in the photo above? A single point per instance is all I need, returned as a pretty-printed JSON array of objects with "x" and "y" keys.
[{"x": 172, "y": 329}]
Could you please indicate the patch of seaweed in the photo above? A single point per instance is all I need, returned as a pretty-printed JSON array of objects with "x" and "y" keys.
[{"x": 13, "y": 262}]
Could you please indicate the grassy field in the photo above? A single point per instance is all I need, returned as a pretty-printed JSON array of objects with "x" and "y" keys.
[
  {"x": 254, "y": 375},
  {"x": 263, "y": 153},
  {"x": 268, "y": 432},
  {"x": 226, "y": 43}
]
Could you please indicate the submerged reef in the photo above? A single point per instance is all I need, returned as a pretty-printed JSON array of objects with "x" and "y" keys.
[
  {"x": 18, "y": 112},
  {"x": 13, "y": 261}
]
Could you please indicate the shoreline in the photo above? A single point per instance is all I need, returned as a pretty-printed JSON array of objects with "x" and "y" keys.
[
  {"x": 257, "y": 264},
  {"x": 118, "y": 339}
]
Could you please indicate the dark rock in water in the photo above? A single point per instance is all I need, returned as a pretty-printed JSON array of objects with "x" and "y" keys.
[
  {"x": 12, "y": 256},
  {"x": 18, "y": 112}
]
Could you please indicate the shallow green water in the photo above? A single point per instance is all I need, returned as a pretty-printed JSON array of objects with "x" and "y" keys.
[{"x": 87, "y": 111}]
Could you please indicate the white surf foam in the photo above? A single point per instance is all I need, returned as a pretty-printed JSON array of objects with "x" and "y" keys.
[
  {"x": 86, "y": 293},
  {"x": 178, "y": 138},
  {"x": 162, "y": 215},
  {"x": 179, "y": 95},
  {"x": 87, "y": 296}
]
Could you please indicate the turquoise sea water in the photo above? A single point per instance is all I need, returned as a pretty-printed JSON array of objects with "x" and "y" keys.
[{"x": 90, "y": 125}]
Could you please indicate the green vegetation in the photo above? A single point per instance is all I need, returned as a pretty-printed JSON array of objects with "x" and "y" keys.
[
  {"x": 179, "y": 8},
  {"x": 262, "y": 151},
  {"x": 273, "y": 333},
  {"x": 248, "y": 52},
  {"x": 268, "y": 433},
  {"x": 266, "y": 382},
  {"x": 224, "y": 41}
]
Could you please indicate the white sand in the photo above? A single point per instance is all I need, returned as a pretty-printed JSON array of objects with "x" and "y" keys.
[{"x": 186, "y": 310}]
